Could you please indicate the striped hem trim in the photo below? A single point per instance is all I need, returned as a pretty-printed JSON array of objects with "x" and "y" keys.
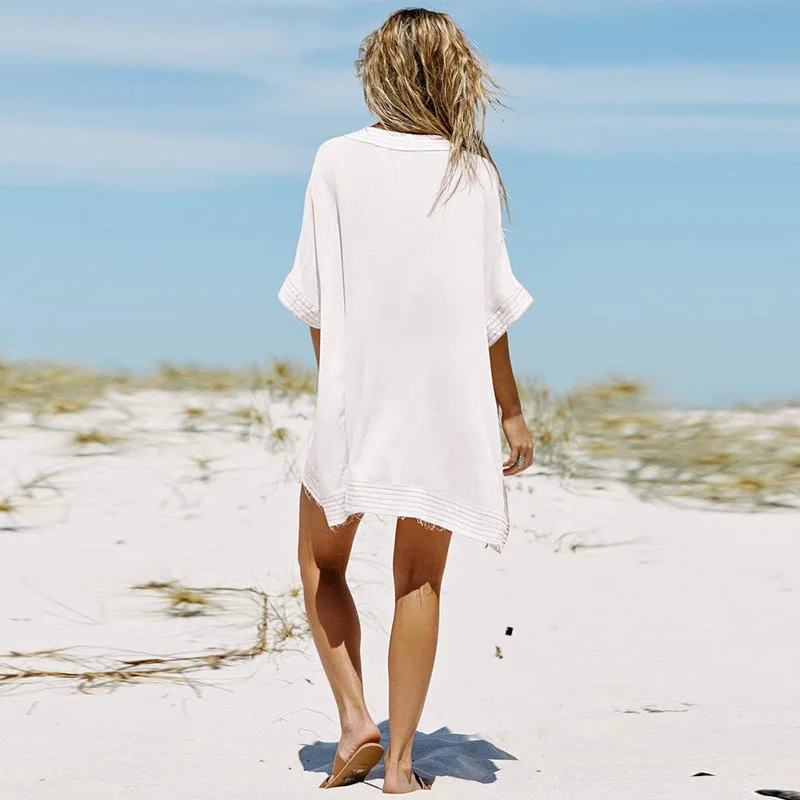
[
  {"x": 360, "y": 497},
  {"x": 508, "y": 313},
  {"x": 296, "y": 302}
]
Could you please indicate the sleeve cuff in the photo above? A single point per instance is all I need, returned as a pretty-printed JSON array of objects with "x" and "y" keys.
[
  {"x": 298, "y": 304},
  {"x": 509, "y": 312}
]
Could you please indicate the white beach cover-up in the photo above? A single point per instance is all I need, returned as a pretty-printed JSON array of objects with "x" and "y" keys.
[{"x": 406, "y": 422}]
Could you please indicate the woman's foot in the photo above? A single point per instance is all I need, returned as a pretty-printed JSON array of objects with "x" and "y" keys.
[
  {"x": 401, "y": 779},
  {"x": 352, "y": 738}
]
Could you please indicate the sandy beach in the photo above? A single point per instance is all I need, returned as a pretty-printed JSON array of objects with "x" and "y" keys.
[{"x": 649, "y": 642}]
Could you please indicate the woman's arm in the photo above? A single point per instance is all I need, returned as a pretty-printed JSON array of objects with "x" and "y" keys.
[
  {"x": 507, "y": 396},
  {"x": 315, "y": 341}
]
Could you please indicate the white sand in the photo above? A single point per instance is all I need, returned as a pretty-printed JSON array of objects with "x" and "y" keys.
[{"x": 692, "y": 613}]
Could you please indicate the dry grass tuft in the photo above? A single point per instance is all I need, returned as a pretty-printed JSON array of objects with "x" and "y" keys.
[
  {"x": 280, "y": 440},
  {"x": 618, "y": 389},
  {"x": 204, "y": 467},
  {"x": 182, "y": 601},
  {"x": 615, "y": 431},
  {"x": 248, "y": 415},
  {"x": 195, "y": 419},
  {"x": 173, "y": 377},
  {"x": 70, "y": 407},
  {"x": 8, "y": 506},
  {"x": 551, "y": 421},
  {"x": 28, "y": 499},
  {"x": 43, "y": 388},
  {"x": 96, "y": 437},
  {"x": 89, "y": 672},
  {"x": 41, "y": 482},
  {"x": 288, "y": 381}
]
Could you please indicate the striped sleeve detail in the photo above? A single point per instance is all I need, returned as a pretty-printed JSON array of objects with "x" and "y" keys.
[
  {"x": 509, "y": 312},
  {"x": 299, "y": 305}
]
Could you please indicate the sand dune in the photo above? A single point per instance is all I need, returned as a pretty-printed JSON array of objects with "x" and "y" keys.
[{"x": 650, "y": 642}]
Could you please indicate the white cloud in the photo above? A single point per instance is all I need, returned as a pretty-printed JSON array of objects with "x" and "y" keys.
[
  {"x": 695, "y": 110},
  {"x": 679, "y": 110},
  {"x": 291, "y": 101},
  {"x": 254, "y": 49},
  {"x": 47, "y": 151},
  {"x": 239, "y": 36}
]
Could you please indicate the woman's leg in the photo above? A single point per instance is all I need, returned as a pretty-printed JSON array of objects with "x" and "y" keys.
[
  {"x": 323, "y": 555},
  {"x": 420, "y": 555}
]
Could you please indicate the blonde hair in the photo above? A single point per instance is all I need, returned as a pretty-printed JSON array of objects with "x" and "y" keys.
[{"x": 421, "y": 75}]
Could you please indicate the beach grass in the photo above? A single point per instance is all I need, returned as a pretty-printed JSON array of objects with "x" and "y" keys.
[
  {"x": 616, "y": 431},
  {"x": 279, "y": 623},
  {"x": 743, "y": 458}
]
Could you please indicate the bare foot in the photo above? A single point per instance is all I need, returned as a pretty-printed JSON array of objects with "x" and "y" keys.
[
  {"x": 352, "y": 739},
  {"x": 402, "y": 781}
]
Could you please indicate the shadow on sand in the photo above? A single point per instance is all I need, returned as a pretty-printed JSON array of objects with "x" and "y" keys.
[{"x": 442, "y": 752}]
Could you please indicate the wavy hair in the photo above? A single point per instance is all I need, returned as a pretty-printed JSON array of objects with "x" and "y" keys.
[{"x": 420, "y": 74}]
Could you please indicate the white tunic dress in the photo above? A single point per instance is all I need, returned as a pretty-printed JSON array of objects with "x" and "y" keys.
[{"x": 408, "y": 302}]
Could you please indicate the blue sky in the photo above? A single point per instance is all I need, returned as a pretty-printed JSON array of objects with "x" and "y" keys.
[{"x": 155, "y": 152}]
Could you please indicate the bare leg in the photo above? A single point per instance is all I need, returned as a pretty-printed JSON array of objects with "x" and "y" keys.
[
  {"x": 420, "y": 555},
  {"x": 323, "y": 555}
]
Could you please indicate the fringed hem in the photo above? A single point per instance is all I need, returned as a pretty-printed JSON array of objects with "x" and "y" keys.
[
  {"x": 339, "y": 525},
  {"x": 428, "y": 508},
  {"x": 427, "y": 525}
]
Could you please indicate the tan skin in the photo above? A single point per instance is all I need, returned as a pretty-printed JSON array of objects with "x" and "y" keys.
[{"x": 418, "y": 566}]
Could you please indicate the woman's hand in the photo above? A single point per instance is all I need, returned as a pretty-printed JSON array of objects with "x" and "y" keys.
[
  {"x": 507, "y": 396},
  {"x": 520, "y": 443}
]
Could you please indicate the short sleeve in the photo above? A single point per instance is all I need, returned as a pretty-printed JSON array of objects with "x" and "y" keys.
[
  {"x": 506, "y": 299},
  {"x": 299, "y": 292}
]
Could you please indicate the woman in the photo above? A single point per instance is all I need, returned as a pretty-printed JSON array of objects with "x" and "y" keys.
[{"x": 402, "y": 274}]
